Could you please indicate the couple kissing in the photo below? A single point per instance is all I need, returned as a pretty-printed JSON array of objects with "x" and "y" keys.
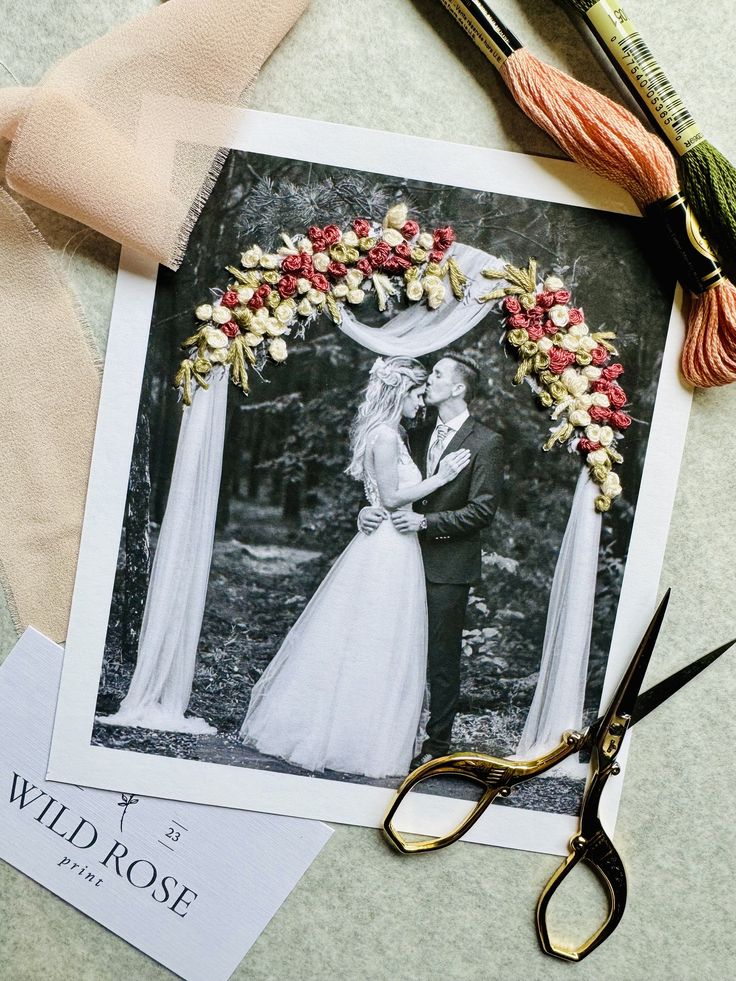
[{"x": 345, "y": 691}]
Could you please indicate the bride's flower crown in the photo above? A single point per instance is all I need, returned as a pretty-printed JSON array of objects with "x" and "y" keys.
[{"x": 386, "y": 373}]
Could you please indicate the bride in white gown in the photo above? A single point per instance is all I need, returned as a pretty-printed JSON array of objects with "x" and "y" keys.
[{"x": 345, "y": 691}]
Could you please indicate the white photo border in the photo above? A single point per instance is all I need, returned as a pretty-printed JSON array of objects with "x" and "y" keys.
[{"x": 73, "y": 759}]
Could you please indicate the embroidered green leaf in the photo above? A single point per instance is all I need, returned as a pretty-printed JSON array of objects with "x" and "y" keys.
[
  {"x": 458, "y": 279},
  {"x": 494, "y": 295},
  {"x": 333, "y": 309},
  {"x": 244, "y": 317},
  {"x": 195, "y": 339},
  {"x": 604, "y": 339},
  {"x": 239, "y": 275},
  {"x": 183, "y": 381},
  {"x": 525, "y": 366},
  {"x": 236, "y": 360}
]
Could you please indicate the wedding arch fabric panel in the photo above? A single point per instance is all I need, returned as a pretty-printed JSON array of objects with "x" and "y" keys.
[
  {"x": 162, "y": 682},
  {"x": 167, "y": 650},
  {"x": 560, "y": 692}
]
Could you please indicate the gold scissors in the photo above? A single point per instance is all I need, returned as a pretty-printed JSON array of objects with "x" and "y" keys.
[{"x": 603, "y": 738}]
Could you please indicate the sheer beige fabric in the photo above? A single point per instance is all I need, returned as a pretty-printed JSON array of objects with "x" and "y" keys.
[{"x": 75, "y": 149}]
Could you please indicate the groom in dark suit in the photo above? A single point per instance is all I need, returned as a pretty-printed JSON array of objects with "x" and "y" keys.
[{"x": 449, "y": 522}]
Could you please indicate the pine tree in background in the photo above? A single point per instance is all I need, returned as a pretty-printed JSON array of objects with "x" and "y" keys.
[{"x": 137, "y": 546}]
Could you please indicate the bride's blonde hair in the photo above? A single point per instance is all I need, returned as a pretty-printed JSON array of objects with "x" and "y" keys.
[{"x": 390, "y": 381}]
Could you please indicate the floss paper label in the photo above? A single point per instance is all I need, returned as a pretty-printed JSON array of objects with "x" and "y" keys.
[
  {"x": 191, "y": 886},
  {"x": 234, "y": 638}
]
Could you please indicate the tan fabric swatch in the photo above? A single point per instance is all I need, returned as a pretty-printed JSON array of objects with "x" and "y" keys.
[{"x": 75, "y": 150}]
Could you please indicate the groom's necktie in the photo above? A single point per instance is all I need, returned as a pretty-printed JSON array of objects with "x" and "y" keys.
[{"x": 435, "y": 450}]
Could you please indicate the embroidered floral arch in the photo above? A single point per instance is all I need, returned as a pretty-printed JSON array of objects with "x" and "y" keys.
[{"x": 330, "y": 270}]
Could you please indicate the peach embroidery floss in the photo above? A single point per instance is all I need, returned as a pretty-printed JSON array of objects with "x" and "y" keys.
[
  {"x": 607, "y": 139},
  {"x": 709, "y": 179}
]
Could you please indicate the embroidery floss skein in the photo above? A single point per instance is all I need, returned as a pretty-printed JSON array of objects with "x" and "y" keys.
[
  {"x": 607, "y": 139},
  {"x": 708, "y": 178}
]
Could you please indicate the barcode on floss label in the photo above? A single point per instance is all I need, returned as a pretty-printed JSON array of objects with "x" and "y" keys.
[
  {"x": 657, "y": 89},
  {"x": 644, "y": 76}
]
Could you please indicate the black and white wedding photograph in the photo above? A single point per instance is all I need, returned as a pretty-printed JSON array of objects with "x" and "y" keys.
[
  {"x": 386, "y": 528},
  {"x": 388, "y": 448}
]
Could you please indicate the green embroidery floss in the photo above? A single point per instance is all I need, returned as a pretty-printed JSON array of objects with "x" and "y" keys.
[{"x": 708, "y": 178}]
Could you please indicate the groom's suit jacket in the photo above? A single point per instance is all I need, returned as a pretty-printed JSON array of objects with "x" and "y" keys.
[{"x": 457, "y": 512}]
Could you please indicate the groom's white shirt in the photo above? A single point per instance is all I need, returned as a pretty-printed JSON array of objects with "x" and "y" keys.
[{"x": 453, "y": 425}]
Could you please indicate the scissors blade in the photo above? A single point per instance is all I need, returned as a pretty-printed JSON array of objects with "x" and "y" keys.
[
  {"x": 624, "y": 701},
  {"x": 653, "y": 697}
]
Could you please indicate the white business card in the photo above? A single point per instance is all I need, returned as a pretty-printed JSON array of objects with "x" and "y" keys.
[{"x": 191, "y": 885}]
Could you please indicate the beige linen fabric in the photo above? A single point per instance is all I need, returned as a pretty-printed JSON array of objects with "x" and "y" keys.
[{"x": 75, "y": 150}]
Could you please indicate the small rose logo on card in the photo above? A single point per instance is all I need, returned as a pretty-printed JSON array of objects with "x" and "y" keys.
[{"x": 108, "y": 857}]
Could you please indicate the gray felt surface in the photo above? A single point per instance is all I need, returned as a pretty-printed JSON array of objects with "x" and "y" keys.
[{"x": 362, "y": 912}]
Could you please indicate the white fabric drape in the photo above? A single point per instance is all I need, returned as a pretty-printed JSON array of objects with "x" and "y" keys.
[
  {"x": 167, "y": 651},
  {"x": 417, "y": 330},
  {"x": 161, "y": 686},
  {"x": 560, "y": 693}
]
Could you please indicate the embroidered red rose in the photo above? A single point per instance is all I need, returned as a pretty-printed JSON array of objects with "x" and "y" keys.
[
  {"x": 395, "y": 263},
  {"x": 444, "y": 237},
  {"x": 314, "y": 231},
  {"x": 550, "y": 328},
  {"x": 559, "y": 359},
  {"x": 264, "y": 291},
  {"x": 620, "y": 420},
  {"x": 378, "y": 254},
  {"x": 617, "y": 396},
  {"x": 562, "y": 296},
  {"x": 517, "y": 320},
  {"x": 587, "y": 445},
  {"x": 320, "y": 282},
  {"x": 535, "y": 331},
  {"x": 410, "y": 228},
  {"x": 320, "y": 243},
  {"x": 256, "y": 302},
  {"x": 403, "y": 251},
  {"x": 436, "y": 255},
  {"x": 287, "y": 286},
  {"x": 599, "y": 355},
  {"x": 511, "y": 305},
  {"x": 230, "y": 329},
  {"x": 337, "y": 269},
  {"x": 536, "y": 313},
  {"x": 612, "y": 372},
  {"x": 332, "y": 234},
  {"x": 575, "y": 316},
  {"x": 546, "y": 300},
  {"x": 292, "y": 263},
  {"x": 365, "y": 267},
  {"x": 598, "y": 414},
  {"x": 361, "y": 227},
  {"x": 230, "y": 299}
]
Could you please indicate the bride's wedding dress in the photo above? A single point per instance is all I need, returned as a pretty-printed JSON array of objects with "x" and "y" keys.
[{"x": 346, "y": 689}]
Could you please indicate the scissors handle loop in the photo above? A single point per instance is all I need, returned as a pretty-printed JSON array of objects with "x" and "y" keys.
[
  {"x": 459, "y": 764},
  {"x": 599, "y": 853},
  {"x": 497, "y": 777}
]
